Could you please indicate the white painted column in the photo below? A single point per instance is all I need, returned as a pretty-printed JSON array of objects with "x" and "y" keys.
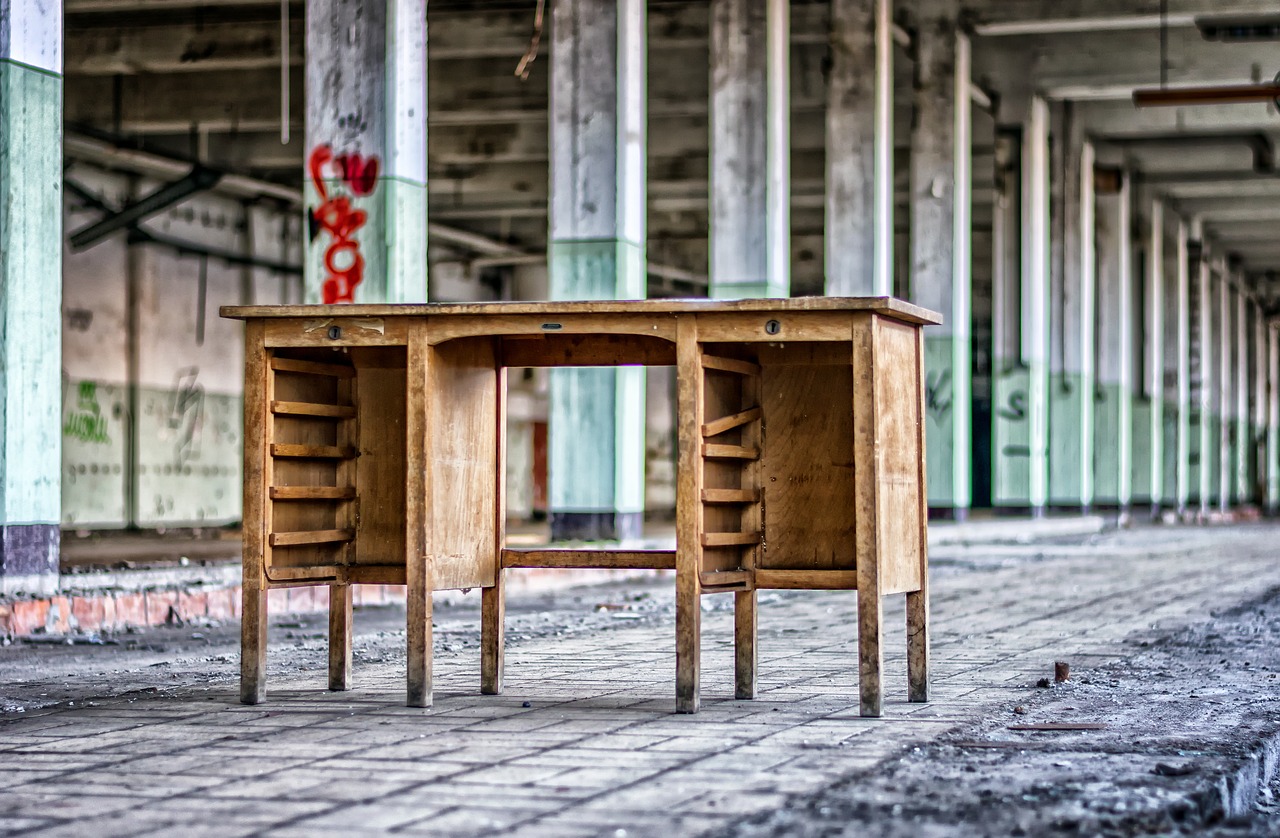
[
  {"x": 750, "y": 113},
  {"x": 1112, "y": 461},
  {"x": 1273, "y": 417},
  {"x": 1208, "y": 371},
  {"x": 1241, "y": 433},
  {"x": 1035, "y": 297},
  {"x": 1225, "y": 401},
  {"x": 1182, "y": 477},
  {"x": 1154, "y": 340},
  {"x": 859, "y": 195},
  {"x": 30, "y": 295},
  {"x": 941, "y": 140},
  {"x": 365, "y": 175},
  {"x": 1071, "y": 387},
  {"x": 1261, "y": 354},
  {"x": 597, "y": 252},
  {"x": 1010, "y": 433}
]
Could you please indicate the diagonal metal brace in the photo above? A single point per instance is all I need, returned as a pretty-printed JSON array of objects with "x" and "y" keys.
[{"x": 197, "y": 180}]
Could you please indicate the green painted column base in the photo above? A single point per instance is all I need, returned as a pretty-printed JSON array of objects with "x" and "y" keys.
[
  {"x": 1070, "y": 450},
  {"x": 1113, "y": 433},
  {"x": 1011, "y": 439},
  {"x": 948, "y": 418},
  {"x": 1147, "y": 486}
]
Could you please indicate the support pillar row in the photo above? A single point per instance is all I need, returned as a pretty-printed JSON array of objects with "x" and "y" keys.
[
  {"x": 30, "y": 295},
  {"x": 597, "y": 252}
]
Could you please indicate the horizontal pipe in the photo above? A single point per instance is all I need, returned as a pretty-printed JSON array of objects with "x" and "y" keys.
[
  {"x": 1058, "y": 26},
  {"x": 1155, "y": 97},
  {"x": 979, "y": 97}
]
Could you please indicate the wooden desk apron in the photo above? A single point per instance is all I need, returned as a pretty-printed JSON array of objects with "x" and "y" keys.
[{"x": 374, "y": 445}]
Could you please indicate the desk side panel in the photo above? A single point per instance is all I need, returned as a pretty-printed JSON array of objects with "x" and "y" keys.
[
  {"x": 898, "y": 456},
  {"x": 462, "y": 460}
]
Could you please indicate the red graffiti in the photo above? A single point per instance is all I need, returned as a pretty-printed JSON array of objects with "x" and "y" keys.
[{"x": 342, "y": 260}]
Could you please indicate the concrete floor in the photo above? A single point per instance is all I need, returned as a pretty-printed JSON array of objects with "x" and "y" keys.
[{"x": 1172, "y": 635}]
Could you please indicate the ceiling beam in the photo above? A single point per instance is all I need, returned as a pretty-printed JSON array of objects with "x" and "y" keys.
[{"x": 189, "y": 48}]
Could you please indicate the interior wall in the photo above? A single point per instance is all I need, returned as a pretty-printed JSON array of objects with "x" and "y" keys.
[{"x": 147, "y": 358}]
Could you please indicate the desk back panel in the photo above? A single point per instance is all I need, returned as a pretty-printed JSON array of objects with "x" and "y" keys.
[
  {"x": 807, "y": 468},
  {"x": 380, "y": 468}
]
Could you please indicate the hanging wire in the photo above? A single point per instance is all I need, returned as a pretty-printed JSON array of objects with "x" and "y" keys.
[
  {"x": 284, "y": 72},
  {"x": 1164, "y": 44},
  {"x": 531, "y": 54}
]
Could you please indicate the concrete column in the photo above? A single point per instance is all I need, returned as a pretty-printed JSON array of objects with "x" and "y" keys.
[
  {"x": 859, "y": 198},
  {"x": 1225, "y": 401},
  {"x": 1148, "y": 412},
  {"x": 1273, "y": 417},
  {"x": 30, "y": 295},
  {"x": 940, "y": 229},
  {"x": 1009, "y": 465},
  {"x": 1240, "y": 435},
  {"x": 1035, "y": 299},
  {"x": 1206, "y": 396},
  {"x": 1113, "y": 453},
  {"x": 597, "y": 252},
  {"x": 1071, "y": 380},
  {"x": 1258, "y": 449},
  {"x": 1182, "y": 354},
  {"x": 750, "y": 235},
  {"x": 365, "y": 173}
]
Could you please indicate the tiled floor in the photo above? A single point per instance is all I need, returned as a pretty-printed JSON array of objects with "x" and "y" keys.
[{"x": 583, "y": 741}]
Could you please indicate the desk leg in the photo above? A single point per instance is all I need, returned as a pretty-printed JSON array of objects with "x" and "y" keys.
[
  {"x": 866, "y": 516},
  {"x": 418, "y": 575},
  {"x": 870, "y": 660},
  {"x": 918, "y": 645},
  {"x": 744, "y": 643},
  {"x": 253, "y": 611},
  {"x": 688, "y": 641},
  {"x": 253, "y": 645},
  {"x": 493, "y": 611},
  {"x": 339, "y": 637},
  {"x": 689, "y": 401},
  {"x": 418, "y": 606}
]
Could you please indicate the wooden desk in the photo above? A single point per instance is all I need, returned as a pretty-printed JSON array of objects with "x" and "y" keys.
[{"x": 374, "y": 444}]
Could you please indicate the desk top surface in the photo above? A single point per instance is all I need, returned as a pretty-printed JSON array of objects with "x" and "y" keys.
[{"x": 890, "y": 306}]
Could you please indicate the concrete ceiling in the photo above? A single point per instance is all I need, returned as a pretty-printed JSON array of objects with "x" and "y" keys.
[{"x": 201, "y": 81}]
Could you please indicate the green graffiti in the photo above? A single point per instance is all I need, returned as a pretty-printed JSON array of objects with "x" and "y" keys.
[
  {"x": 88, "y": 396},
  {"x": 88, "y": 424}
]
